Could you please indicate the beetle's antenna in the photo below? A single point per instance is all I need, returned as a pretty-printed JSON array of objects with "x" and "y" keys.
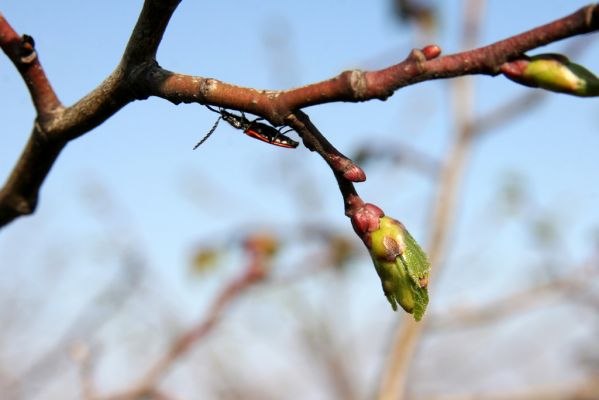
[{"x": 210, "y": 132}]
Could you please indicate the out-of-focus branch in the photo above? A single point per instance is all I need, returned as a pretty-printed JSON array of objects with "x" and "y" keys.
[
  {"x": 81, "y": 355},
  {"x": 568, "y": 286},
  {"x": 408, "y": 334},
  {"x": 515, "y": 107},
  {"x": 472, "y": 128},
  {"x": 583, "y": 390},
  {"x": 257, "y": 269},
  {"x": 507, "y": 112},
  {"x": 101, "y": 308},
  {"x": 334, "y": 363},
  {"x": 401, "y": 154}
]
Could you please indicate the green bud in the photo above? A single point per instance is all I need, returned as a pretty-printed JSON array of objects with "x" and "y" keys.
[
  {"x": 401, "y": 265},
  {"x": 553, "y": 72}
]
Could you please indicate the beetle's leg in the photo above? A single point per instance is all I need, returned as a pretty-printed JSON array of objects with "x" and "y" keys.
[
  {"x": 210, "y": 132},
  {"x": 212, "y": 109}
]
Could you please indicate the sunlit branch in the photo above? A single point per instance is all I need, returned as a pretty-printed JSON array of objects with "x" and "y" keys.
[{"x": 139, "y": 76}]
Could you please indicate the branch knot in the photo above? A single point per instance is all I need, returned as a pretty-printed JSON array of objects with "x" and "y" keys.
[
  {"x": 138, "y": 76},
  {"x": 27, "y": 50},
  {"x": 358, "y": 84}
]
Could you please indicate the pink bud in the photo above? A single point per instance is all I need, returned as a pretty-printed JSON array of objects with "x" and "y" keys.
[
  {"x": 354, "y": 174},
  {"x": 366, "y": 219},
  {"x": 431, "y": 51}
]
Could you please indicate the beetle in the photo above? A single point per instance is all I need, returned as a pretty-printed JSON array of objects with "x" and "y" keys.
[{"x": 254, "y": 129}]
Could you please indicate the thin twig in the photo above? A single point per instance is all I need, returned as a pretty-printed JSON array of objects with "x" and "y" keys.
[
  {"x": 344, "y": 169},
  {"x": 402, "y": 154},
  {"x": 256, "y": 271},
  {"x": 567, "y": 286},
  {"x": 586, "y": 389},
  {"x": 92, "y": 318},
  {"x": 21, "y": 51},
  {"x": 334, "y": 362}
]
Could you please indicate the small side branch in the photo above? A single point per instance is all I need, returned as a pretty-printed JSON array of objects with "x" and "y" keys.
[
  {"x": 21, "y": 51},
  {"x": 345, "y": 170}
]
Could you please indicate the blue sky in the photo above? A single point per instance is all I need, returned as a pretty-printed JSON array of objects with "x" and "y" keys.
[{"x": 169, "y": 197}]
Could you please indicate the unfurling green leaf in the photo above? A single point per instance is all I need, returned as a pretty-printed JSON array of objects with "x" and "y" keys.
[
  {"x": 401, "y": 265},
  {"x": 553, "y": 72},
  {"x": 399, "y": 261}
]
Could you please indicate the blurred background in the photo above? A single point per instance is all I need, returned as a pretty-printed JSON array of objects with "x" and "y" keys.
[{"x": 230, "y": 272}]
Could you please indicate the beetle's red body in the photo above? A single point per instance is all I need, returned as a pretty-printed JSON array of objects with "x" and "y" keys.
[
  {"x": 270, "y": 135},
  {"x": 254, "y": 129}
]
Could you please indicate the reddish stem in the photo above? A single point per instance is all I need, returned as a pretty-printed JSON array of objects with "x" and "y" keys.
[
  {"x": 21, "y": 51},
  {"x": 356, "y": 85}
]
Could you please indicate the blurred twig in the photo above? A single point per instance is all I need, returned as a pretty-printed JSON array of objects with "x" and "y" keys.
[
  {"x": 405, "y": 342},
  {"x": 469, "y": 128},
  {"x": 569, "y": 285},
  {"x": 517, "y": 106},
  {"x": 322, "y": 344},
  {"x": 255, "y": 271},
  {"x": 584, "y": 390},
  {"x": 92, "y": 317},
  {"x": 507, "y": 112},
  {"x": 400, "y": 154}
]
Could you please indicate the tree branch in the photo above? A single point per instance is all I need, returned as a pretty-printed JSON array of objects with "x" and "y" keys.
[
  {"x": 56, "y": 125},
  {"x": 356, "y": 85},
  {"x": 139, "y": 76}
]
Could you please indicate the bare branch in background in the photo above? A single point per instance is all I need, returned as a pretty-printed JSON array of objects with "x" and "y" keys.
[
  {"x": 408, "y": 334},
  {"x": 335, "y": 364},
  {"x": 583, "y": 390},
  {"x": 259, "y": 251},
  {"x": 569, "y": 286},
  {"x": 468, "y": 128},
  {"x": 401, "y": 154},
  {"x": 101, "y": 308}
]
